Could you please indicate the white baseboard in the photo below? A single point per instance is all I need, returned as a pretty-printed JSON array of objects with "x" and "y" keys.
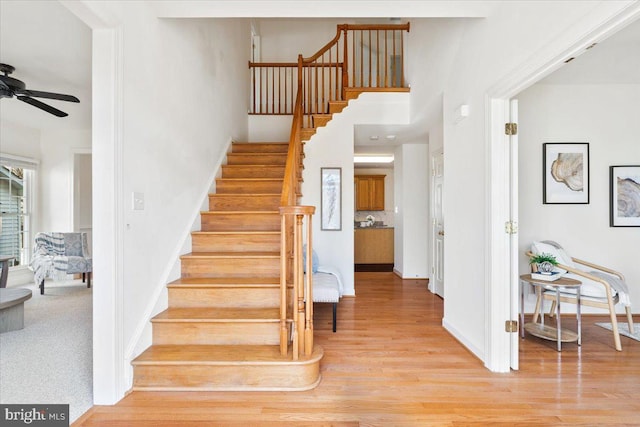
[{"x": 465, "y": 342}]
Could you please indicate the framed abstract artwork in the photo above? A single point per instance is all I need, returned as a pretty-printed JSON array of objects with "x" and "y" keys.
[
  {"x": 565, "y": 173},
  {"x": 624, "y": 196},
  {"x": 331, "y": 199}
]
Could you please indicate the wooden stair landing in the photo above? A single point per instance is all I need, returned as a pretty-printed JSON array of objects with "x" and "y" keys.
[{"x": 221, "y": 330}]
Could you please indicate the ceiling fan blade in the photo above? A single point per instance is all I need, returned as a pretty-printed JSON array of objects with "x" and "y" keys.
[
  {"x": 42, "y": 106},
  {"x": 48, "y": 95}
]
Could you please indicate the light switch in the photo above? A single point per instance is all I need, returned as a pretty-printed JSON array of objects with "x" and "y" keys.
[{"x": 138, "y": 201}]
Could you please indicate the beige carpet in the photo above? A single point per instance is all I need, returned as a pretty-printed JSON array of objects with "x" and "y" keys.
[{"x": 51, "y": 360}]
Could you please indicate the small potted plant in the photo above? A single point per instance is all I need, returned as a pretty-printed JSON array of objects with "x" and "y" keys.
[{"x": 544, "y": 262}]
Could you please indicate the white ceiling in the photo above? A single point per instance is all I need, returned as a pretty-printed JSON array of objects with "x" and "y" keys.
[
  {"x": 616, "y": 60},
  {"x": 51, "y": 50}
]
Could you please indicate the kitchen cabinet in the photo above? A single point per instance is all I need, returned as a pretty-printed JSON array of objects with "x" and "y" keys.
[
  {"x": 373, "y": 245},
  {"x": 369, "y": 192}
]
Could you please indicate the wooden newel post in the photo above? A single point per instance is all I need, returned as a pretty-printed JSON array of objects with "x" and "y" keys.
[
  {"x": 284, "y": 257},
  {"x": 308, "y": 285},
  {"x": 302, "y": 325},
  {"x": 299, "y": 280},
  {"x": 345, "y": 62}
]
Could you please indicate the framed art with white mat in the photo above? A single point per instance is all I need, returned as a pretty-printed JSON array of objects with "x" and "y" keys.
[{"x": 624, "y": 196}]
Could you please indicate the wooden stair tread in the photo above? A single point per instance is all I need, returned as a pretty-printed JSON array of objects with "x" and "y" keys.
[
  {"x": 226, "y": 282},
  {"x": 257, "y": 154},
  {"x": 218, "y": 314},
  {"x": 254, "y": 166},
  {"x": 259, "y": 143},
  {"x": 221, "y": 354},
  {"x": 231, "y": 255},
  {"x": 244, "y": 232},
  {"x": 244, "y": 194},
  {"x": 222, "y": 328},
  {"x": 239, "y": 212},
  {"x": 234, "y": 143},
  {"x": 250, "y": 179}
]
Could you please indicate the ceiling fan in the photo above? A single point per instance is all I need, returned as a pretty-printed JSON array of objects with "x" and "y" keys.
[{"x": 10, "y": 87}]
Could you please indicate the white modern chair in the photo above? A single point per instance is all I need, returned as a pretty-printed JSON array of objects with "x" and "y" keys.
[{"x": 602, "y": 287}]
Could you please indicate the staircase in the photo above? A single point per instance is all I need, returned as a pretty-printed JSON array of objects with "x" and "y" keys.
[
  {"x": 241, "y": 315},
  {"x": 221, "y": 330}
]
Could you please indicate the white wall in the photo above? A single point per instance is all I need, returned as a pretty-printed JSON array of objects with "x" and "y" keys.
[
  {"x": 398, "y": 221},
  {"x": 19, "y": 140},
  {"x": 491, "y": 49},
  {"x": 411, "y": 237},
  {"x": 269, "y": 128},
  {"x": 605, "y": 116},
  {"x": 171, "y": 148},
  {"x": 56, "y": 177},
  {"x": 184, "y": 98},
  {"x": 332, "y": 146},
  {"x": 431, "y": 48},
  {"x": 283, "y": 40}
]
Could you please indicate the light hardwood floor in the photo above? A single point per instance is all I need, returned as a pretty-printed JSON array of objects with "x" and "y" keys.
[{"x": 392, "y": 364}]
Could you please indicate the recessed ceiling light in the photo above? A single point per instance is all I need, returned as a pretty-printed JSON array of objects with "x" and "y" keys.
[
  {"x": 373, "y": 137},
  {"x": 374, "y": 158},
  {"x": 391, "y": 137}
]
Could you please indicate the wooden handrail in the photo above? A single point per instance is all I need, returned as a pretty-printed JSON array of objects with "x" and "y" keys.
[
  {"x": 365, "y": 27},
  {"x": 376, "y": 53},
  {"x": 325, "y": 48},
  {"x": 290, "y": 64}
]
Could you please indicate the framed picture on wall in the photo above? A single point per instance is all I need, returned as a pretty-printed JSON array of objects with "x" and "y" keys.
[
  {"x": 565, "y": 173},
  {"x": 624, "y": 195},
  {"x": 331, "y": 198}
]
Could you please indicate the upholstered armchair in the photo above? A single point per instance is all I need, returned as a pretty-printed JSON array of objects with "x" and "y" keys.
[{"x": 57, "y": 254}]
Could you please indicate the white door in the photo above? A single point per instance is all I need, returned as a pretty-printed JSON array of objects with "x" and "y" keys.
[
  {"x": 513, "y": 241},
  {"x": 436, "y": 284}
]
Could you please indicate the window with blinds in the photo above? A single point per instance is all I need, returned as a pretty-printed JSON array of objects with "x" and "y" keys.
[{"x": 16, "y": 178}]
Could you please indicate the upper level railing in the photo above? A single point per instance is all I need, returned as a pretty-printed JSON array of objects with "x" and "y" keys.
[{"x": 359, "y": 56}]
